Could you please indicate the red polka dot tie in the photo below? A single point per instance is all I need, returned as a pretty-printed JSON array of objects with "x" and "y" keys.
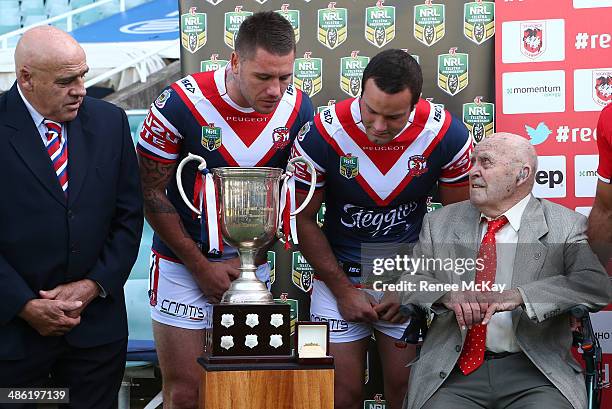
[
  {"x": 57, "y": 148},
  {"x": 472, "y": 355}
]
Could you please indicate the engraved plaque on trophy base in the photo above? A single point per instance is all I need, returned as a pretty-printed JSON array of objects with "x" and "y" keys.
[{"x": 248, "y": 333}]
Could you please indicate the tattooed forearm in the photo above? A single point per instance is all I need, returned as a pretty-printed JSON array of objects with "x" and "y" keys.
[
  {"x": 155, "y": 176},
  {"x": 155, "y": 203}
]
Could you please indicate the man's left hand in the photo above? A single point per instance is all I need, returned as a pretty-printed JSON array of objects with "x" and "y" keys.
[
  {"x": 388, "y": 309},
  {"x": 506, "y": 301},
  {"x": 83, "y": 290}
]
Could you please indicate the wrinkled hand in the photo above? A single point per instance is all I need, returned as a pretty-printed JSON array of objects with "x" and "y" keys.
[
  {"x": 388, "y": 309},
  {"x": 468, "y": 309},
  {"x": 215, "y": 278},
  {"x": 50, "y": 317},
  {"x": 85, "y": 291},
  {"x": 357, "y": 306},
  {"x": 506, "y": 301}
]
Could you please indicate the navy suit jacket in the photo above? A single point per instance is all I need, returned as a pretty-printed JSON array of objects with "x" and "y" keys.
[{"x": 46, "y": 240}]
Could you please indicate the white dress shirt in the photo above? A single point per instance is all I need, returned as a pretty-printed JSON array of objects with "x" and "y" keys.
[
  {"x": 38, "y": 121},
  {"x": 500, "y": 331}
]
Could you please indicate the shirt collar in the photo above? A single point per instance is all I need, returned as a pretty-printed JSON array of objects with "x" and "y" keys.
[
  {"x": 515, "y": 213},
  {"x": 36, "y": 116}
]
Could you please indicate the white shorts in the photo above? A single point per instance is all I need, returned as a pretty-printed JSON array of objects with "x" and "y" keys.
[
  {"x": 323, "y": 307},
  {"x": 176, "y": 299}
]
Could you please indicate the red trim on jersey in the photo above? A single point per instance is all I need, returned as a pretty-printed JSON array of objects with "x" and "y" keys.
[
  {"x": 384, "y": 160},
  {"x": 360, "y": 179},
  {"x": 290, "y": 122},
  {"x": 198, "y": 117},
  {"x": 246, "y": 131},
  {"x": 141, "y": 152},
  {"x": 455, "y": 184}
]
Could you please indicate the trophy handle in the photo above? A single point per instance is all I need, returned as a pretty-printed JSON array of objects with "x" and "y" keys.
[
  {"x": 179, "y": 181},
  {"x": 313, "y": 180}
]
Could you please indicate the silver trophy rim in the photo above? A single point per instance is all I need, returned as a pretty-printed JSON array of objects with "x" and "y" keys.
[{"x": 241, "y": 171}]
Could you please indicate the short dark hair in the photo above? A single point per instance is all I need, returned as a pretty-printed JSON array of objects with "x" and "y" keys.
[
  {"x": 393, "y": 71},
  {"x": 268, "y": 30}
]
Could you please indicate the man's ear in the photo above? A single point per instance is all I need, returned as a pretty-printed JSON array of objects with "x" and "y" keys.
[
  {"x": 234, "y": 61},
  {"x": 523, "y": 174},
  {"x": 24, "y": 79}
]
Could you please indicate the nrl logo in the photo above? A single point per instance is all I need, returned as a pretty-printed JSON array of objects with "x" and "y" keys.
[
  {"x": 213, "y": 64},
  {"x": 377, "y": 403},
  {"x": 280, "y": 137},
  {"x": 294, "y": 309},
  {"x": 324, "y": 107},
  {"x": 429, "y": 22},
  {"x": 380, "y": 24},
  {"x": 332, "y": 27},
  {"x": 232, "y": 24},
  {"x": 453, "y": 72},
  {"x": 417, "y": 165},
  {"x": 301, "y": 272},
  {"x": 349, "y": 166},
  {"x": 211, "y": 137},
  {"x": 479, "y": 21},
  {"x": 193, "y": 30},
  {"x": 351, "y": 71},
  {"x": 478, "y": 117},
  {"x": 532, "y": 43},
  {"x": 308, "y": 74},
  {"x": 602, "y": 87},
  {"x": 214, "y": 2},
  {"x": 293, "y": 16}
]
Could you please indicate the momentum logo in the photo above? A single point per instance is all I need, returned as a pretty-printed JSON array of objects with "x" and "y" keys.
[{"x": 533, "y": 92}]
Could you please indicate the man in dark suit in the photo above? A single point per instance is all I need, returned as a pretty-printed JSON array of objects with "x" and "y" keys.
[{"x": 70, "y": 224}]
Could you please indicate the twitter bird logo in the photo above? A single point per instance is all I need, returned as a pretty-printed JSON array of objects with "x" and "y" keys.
[{"x": 539, "y": 134}]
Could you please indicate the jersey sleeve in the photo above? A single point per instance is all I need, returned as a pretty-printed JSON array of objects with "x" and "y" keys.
[
  {"x": 160, "y": 138},
  {"x": 311, "y": 146},
  {"x": 457, "y": 151},
  {"x": 604, "y": 145}
]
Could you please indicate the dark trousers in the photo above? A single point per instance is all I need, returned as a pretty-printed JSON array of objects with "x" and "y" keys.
[
  {"x": 92, "y": 375},
  {"x": 513, "y": 382}
]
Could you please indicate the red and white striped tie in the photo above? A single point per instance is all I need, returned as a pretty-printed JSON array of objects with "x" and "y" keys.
[{"x": 57, "y": 148}]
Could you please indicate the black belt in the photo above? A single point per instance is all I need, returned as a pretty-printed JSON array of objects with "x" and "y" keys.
[{"x": 497, "y": 355}]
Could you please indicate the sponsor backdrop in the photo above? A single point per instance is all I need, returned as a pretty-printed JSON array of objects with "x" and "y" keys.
[
  {"x": 452, "y": 40},
  {"x": 553, "y": 77}
]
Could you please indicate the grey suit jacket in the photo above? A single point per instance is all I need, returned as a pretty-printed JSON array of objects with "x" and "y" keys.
[{"x": 554, "y": 268}]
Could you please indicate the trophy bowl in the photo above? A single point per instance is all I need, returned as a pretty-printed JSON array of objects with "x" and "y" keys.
[{"x": 249, "y": 215}]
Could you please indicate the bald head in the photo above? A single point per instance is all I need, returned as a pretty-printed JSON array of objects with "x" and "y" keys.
[
  {"x": 50, "y": 67},
  {"x": 503, "y": 172},
  {"x": 43, "y": 46},
  {"x": 516, "y": 148}
]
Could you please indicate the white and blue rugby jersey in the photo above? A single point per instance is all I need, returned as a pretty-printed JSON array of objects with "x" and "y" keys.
[
  {"x": 378, "y": 193},
  {"x": 195, "y": 115}
]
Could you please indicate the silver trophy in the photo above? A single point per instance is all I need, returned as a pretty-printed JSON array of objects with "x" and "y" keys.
[{"x": 249, "y": 199}]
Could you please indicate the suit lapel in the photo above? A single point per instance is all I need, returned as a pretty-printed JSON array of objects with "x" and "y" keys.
[
  {"x": 466, "y": 239},
  {"x": 79, "y": 146},
  {"x": 530, "y": 251},
  {"x": 27, "y": 143}
]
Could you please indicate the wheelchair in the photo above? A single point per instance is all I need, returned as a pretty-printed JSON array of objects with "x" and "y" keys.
[{"x": 583, "y": 338}]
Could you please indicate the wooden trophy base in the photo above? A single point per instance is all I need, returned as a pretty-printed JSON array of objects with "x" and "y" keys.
[{"x": 266, "y": 386}]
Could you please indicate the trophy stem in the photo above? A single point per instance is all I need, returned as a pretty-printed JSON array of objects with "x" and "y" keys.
[{"x": 247, "y": 289}]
